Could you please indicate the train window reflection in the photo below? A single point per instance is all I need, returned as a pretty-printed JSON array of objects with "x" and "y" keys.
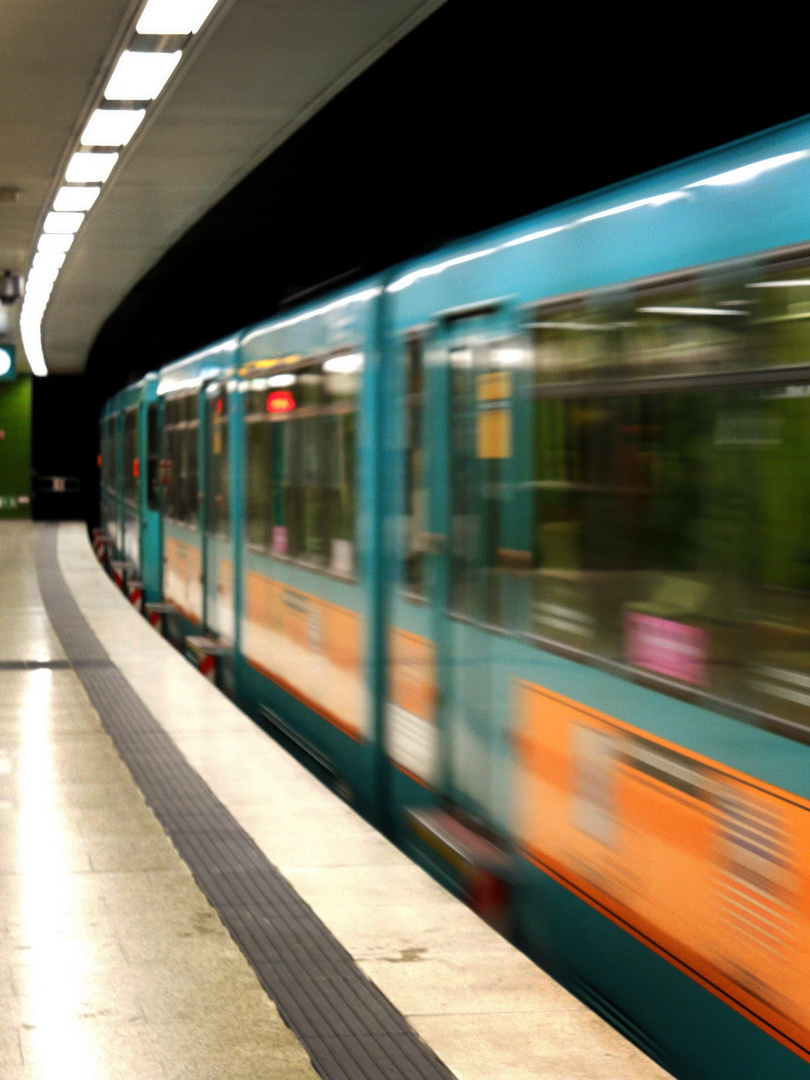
[
  {"x": 108, "y": 454},
  {"x": 181, "y": 432},
  {"x": 415, "y": 509},
  {"x": 488, "y": 459},
  {"x": 131, "y": 455},
  {"x": 153, "y": 457},
  {"x": 301, "y": 462},
  {"x": 669, "y": 530},
  {"x": 218, "y": 494}
]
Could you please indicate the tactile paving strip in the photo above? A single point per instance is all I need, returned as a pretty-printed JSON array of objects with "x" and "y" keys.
[{"x": 349, "y": 1028}]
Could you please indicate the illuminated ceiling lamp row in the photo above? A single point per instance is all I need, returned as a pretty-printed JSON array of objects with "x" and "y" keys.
[{"x": 137, "y": 79}]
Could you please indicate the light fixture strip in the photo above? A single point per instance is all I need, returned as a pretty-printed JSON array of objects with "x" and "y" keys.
[{"x": 142, "y": 69}]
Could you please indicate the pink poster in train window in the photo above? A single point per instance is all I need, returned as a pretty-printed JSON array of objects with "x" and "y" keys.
[
  {"x": 279, "y": 540},
  {"x": 670, "y": 648}
]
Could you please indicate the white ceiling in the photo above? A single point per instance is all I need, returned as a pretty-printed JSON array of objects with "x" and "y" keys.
[{"x": 255, "y": 73}]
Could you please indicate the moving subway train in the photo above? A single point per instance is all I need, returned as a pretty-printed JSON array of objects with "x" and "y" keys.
[{"x": 512, "y": 545}]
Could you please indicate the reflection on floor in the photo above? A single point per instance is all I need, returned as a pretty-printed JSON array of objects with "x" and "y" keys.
[
  {"x": 113, "y": 964},
  {"x": 115, "y": 967}
]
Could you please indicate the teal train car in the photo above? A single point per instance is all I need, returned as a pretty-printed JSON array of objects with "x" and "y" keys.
[{"x": 511, "y": 544}]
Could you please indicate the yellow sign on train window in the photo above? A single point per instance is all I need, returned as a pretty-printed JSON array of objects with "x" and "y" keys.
[
  {"x": 494, "y": 386},
  {"x": 256, "y": 367},
  {"x": 494, "y": 419}
]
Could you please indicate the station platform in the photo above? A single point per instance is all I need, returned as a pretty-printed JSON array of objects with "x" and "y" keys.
[{"x": 181, "y": 900}]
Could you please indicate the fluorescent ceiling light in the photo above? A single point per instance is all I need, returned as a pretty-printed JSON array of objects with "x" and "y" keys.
[
  {"x": 140, "y": 76},
  {"x": 344, "y": 365},
  {"x": 30, "y": 322},
  {"x": 690, "y": 311},
  {"x": 45, "y": 259},
  {"x": 57, "y": 222},
  {"x": 89, "y": 168},
  {"x": 41, "y": 276},
  {"x": 75, "y": 198},
  {"x": 174, "y": 16},
  {"x": 43, "y": 287},
  {"x": 55, "y": 242},
  {"x": 111, "y": 127},
  {"x": 287, "y": 379}
]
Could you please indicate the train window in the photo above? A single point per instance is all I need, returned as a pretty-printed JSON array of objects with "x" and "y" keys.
[
  {"x": 131, "y": 455},
  {"x": 780, "y": 300},
  {"x": 108, "y": 454},
  {"x": 301, "y": 449},
  {"x": 217, "y": 480},
  {"x": 153, "y": 457},
  {"x": 617, "y": 506},
  {"x": 259, "y": 490},
  {"x": 577, "y": 339},
  {"x": 687, "y": 325},
  {"x": 698, "y": 326},
  {"x": 472, "y": 491},
  {"x": 668, "y": 498},
  {"x": 181, "y": 431},
  {"x": 415, "y": 489},
  {"x": 488, "y": 455}
]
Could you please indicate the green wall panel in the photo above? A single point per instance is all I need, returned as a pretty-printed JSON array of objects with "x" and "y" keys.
[{"x": 15, "y": 448}]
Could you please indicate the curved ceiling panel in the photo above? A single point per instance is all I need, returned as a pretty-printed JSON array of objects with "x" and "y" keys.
[{"x": 255, "y": 75}]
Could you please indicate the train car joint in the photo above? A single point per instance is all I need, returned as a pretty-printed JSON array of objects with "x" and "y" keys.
[
  {"x": 135, "y": 592},
  {"x": 155, "y": 611},
  {"x": 101, "y": 544},
  {"x": 121, "y": 570},
  {"x": 205, "y": 654},
  {"x": 484, "y": 867}
]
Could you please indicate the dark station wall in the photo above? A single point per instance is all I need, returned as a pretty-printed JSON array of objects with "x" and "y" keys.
[{"x": 64, "y": 473}]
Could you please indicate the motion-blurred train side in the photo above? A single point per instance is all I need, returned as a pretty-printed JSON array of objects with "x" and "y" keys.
[{"x": 512, "y": 545}]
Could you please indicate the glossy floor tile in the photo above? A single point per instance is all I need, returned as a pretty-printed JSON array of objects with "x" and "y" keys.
[
  {"x": 484, "y": 1008},
  {"x": 113, "y": 966}
]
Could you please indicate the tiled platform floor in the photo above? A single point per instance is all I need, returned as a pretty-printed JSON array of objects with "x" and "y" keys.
[{"x": 114, "y": 965}]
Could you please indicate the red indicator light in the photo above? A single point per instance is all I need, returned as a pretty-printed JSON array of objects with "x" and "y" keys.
[
  {"x": 136, "y": 468},
  {"x": 219, "y": 405},
  {"x": 280, "y": 401},
  {"x": 98, "y": 461}
]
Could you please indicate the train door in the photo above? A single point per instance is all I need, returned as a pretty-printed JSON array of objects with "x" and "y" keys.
[
  {"x": 118, "y": 436},
  {"x": 131, "y": 488},
  {"x": 108, "y": 497},
  {"x": 475, "y": 520},
  {"x": 150, "y": 455},
  {"x": 218, "y": 573},
  {"x": 181, "y": 527}
]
